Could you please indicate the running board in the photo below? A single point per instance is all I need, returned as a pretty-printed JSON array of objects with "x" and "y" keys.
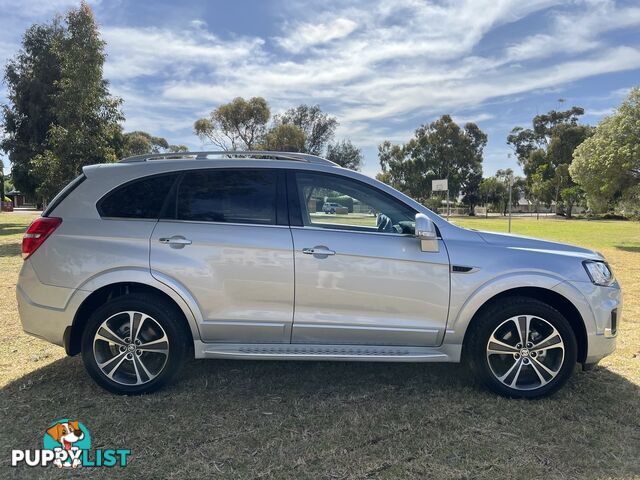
[{"x": 361, "y": 353}]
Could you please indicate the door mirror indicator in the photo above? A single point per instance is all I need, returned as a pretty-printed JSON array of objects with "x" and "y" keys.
[{"x": 426, "y": 233}]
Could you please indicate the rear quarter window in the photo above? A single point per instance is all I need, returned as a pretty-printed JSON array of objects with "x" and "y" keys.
[{"x": 141, "y": 198}]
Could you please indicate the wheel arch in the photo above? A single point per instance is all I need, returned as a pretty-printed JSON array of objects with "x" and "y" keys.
[
  {"x": 550, "y": 297},
  {"x": 117, "y": 289}
]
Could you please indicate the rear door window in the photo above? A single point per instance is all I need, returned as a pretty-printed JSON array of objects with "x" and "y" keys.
[
  {"x": 228, "y": 196},
  {"x": 142, "y": 198}
]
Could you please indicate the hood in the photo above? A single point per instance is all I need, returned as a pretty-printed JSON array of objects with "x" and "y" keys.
[{"x": 519, "y": 242}]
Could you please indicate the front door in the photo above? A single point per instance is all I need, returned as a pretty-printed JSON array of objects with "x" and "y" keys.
[
  {"x": 226, "y": 240},
  {"x": 361, "y": 277}
]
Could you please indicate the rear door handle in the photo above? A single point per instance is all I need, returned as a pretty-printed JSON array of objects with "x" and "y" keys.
[
  {"x": 320, "y": 250},
  {"x": 177, "y": 241}
]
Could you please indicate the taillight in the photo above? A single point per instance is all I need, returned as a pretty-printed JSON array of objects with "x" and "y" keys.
[{"x": 37, "y": 233}]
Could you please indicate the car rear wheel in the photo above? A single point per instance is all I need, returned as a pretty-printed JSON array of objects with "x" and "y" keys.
[
  {"x": 522, "y": 347},
  {"x": 134, "y": 344}
]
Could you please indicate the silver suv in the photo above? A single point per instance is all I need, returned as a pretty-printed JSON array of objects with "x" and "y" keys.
[{"x": 143, "y": 264}]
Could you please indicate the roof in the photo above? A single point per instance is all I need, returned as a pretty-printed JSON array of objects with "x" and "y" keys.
[{"x": 253, "y": 154}]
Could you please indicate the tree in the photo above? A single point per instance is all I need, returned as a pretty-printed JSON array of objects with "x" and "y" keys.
[
  {"x": 437, "y": 151},
  {"x": 86, "y": 117},
  {"x": 572, "y": 196},
  {"x": 32, "y": 78},
  {"x": 76, "y": 121},
  {"x": 2, "y": 181},
  {"x": 607, "y": 165},
  {"x": 471, "y": 189},
  {"x": 285, "y": 138},
  {"x": 545, "y": 152},
  {"x": 492, "y": 192},
  {"x": 539, "y": 187},
  {"x": 239, "y": 124},
  {"x": 345, "y": 154},
  {"x": 318, "y": 127},
  {"x": 139, "y": 143}
]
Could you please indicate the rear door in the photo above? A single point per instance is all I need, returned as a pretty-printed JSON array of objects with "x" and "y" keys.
[
  {"x": 361, "y": 277},
  {"x": 224, "y": 237}
]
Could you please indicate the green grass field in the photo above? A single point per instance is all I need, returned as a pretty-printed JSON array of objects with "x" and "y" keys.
[{"x": 331, "y": 420}]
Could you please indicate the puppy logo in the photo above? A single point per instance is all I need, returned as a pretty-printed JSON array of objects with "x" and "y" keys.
[{"x": 67, "y": 439}]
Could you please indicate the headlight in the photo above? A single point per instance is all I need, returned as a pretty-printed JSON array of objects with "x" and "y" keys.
[{"x": 599, "y": 272}]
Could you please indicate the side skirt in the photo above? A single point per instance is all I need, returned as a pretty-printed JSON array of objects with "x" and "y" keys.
[{"x": 351, "y": 353}]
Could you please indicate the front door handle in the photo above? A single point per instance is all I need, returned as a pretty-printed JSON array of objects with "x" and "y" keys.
[
  {"x": 319, "y": 250},
  {"x": 177, "y": 241}
]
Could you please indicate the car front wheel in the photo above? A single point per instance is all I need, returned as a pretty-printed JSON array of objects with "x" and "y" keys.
[
  {"x": 522, "y": 347},
  {"x": 134, "y": 344}
]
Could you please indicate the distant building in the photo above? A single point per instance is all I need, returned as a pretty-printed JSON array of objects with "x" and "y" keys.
[{"x": 17, "y": 199}]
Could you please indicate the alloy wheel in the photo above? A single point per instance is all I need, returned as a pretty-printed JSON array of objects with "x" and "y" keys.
[
  {"x": 525, "y": 352},
  {"x": 131, "y": 348}
]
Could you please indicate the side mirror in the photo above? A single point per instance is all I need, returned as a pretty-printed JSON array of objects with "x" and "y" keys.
[{"x": 426, "y": 233}]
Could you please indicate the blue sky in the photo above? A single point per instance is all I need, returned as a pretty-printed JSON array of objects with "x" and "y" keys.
[{"x": 382, "y": 67}]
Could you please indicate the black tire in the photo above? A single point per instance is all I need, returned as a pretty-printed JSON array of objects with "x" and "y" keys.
[
  {"x": 333, "y": 210},
  {"x": 497, "y": 319},
  {"x": 165, "y": 314}
]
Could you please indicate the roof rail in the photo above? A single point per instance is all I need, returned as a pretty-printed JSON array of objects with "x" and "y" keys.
[{"x": 298, "y": 157}]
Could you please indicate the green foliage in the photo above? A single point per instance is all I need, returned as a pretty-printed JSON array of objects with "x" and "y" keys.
[
  {"x": 318, "y": 127},
  {"x": 629, "y": 204},
  {"x": 545, "y": 152},
  {"x": 2, "y": 181},
  {"x": 607, "y": 165},
  {"x": 239, "y": 124},
  {"x": 77, "y": 121},
  {"x": 571, "y": 196},
  {"x": 494, "y": 191},
  {"x": 31, "y": 78},
  {"x": 433, "y": 203},
  {"x": 242, "y": 125},
  {"x": 87, "y": 118},
  {"x": 540, "y": 184},
  {"x": 345, "y": 154},
  {"x": 344, "y": 200},
  {"x": 285, "y": 138},
  {"x": 471, "y": 189},
  {"x": 139, "y": 143},
  {"x": 439, "y": 150}
]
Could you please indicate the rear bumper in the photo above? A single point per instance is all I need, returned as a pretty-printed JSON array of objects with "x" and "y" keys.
[
  {"x": 46, "y": 311},
  {"x": 41, "y": 321}
]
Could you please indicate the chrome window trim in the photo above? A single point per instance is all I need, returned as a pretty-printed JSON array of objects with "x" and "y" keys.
[
  {"x": 386, "y": 234},
  {"x": 236, "y": 224},
  {"x": 129, "y": 219}
]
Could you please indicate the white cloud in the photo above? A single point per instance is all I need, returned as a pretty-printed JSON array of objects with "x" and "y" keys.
[
  {"x": 36, "y": 8},
  {"x": 576, "y": 32},
  {"x": 594, "y": 112},
  {"x": 306, "y": 35},
  {"x": 473, "y": 118},
  {"x": 369, "y": 63},
  {"x": 135, "y": 52}
]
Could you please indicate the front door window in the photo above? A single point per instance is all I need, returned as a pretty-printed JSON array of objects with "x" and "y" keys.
[{"x": 331, "y": 201}]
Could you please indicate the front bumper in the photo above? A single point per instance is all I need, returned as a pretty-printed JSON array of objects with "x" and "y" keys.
[{"x": 601, "y": 311}]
